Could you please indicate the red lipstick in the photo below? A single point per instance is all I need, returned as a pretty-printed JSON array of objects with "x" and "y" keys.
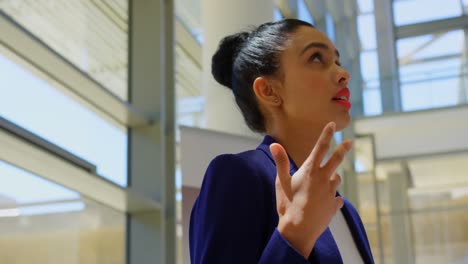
[{"x": 342, "y": 97}]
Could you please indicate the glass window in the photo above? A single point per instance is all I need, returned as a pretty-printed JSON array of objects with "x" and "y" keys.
[
  {"x": 430, "y": 46},
  {"x": 277, "y": 14},
  {"x": 42, "y": 222},
  {"x": 407, "y": 46},
  {"x": 330, "y": 27},
  {"x": 366, "y": 31},
  {"x": 366, "y": 6},
  {"x": 372, "y": 101},
  {"x": 20, "y": 187},
  {"x": 35, "y": 105},
  {"x": 415, "y": 11},
  {"x": 430, "y": 218},
  {"x": 371, "y": 82},
  {"x": 198, "y": 34},
  {"x": 338, "y": 136},
  {"x": 443, "y": 44},
  {"x": 364, "y": 154},
  {"x": 431, "y": 70},
  {"x": 439, "y": 234},
  {"x": 368, "y": 213},
  {"x": 303, "y": 12},
  {"x": 90, "y": 34},
  {"x": 369, "y": 66},
  {"x": 430, "y": 94},
  {"x": 189, "y": 14}
]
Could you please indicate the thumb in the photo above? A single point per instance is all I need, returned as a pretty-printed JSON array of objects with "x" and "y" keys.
[{"x": 282, "y": 167}]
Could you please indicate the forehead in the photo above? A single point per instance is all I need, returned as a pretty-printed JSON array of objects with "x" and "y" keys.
[{"x": 303, "y": 36}]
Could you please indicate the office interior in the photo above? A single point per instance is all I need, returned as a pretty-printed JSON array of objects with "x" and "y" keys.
[{"x": 109, "y": 117}]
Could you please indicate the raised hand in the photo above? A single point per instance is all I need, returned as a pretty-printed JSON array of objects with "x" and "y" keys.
[{"x": 306, "y": 202}]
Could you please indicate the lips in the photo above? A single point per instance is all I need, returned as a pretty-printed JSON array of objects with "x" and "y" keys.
[{"x": 342, "y": 97}]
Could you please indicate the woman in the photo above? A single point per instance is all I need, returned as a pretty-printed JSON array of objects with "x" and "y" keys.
[{"x": 287, "y": 80}]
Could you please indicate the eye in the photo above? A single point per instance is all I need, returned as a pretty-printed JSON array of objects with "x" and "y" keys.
[
  {"x": 338, "y": 63},
  {"x": 316, "y": 57}
]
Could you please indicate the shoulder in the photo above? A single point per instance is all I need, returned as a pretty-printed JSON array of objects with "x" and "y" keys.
[
  {"x": 245, "y": 160},
  {"x": 241, "y": 169},
  {"x": 237, "y": 182}
]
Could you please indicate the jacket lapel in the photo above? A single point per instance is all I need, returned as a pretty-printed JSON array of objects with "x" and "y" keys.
[{"x": 357, "y": 231}]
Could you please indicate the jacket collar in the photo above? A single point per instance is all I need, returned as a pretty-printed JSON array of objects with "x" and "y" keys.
[{"x": 265, "y": 147}]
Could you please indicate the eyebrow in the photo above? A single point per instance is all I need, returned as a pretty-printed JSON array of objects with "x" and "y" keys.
[{"x": 318, "y": 45}]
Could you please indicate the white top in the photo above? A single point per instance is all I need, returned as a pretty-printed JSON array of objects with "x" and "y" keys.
[{"x": 344, "y": 240}]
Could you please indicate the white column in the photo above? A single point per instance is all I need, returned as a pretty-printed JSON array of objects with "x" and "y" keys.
[
  {"x": 400, "y": 218},
  {"x": 220, "y": 18},
  {"x": 151, "y": 235}
]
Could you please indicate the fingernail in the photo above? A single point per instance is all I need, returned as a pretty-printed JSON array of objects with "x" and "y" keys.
[
  {"x": 349, "y": 145},
  {"x": 273, "y": 150},
  {"x": 333, "y": 126}
]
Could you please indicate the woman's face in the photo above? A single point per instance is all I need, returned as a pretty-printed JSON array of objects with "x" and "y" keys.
[{"x": 313, "y": 80}]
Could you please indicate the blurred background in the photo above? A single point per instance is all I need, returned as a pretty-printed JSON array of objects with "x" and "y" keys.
[{"x": 109, "y": 116}]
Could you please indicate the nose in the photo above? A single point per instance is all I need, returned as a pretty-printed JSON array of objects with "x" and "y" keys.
[{"x": 342, "y": 76}]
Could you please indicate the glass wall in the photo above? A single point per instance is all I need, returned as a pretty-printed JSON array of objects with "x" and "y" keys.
[
  {"x": 42, "y": 222},
  {"x": 37, "y": 105},
  {"x": 431, "y": 62},
  {"x": 416, "y": 11},
  {"x": 80, "y": 159},
  {"x": 415, "y": 208},
  {"x": 368, "y": 59},
  {"x": 303, "y": 12},
  {"x": 432, "y": 71},
  {"x": 188, "y": 13},
  {"x": 429, "y": 71},
  {"x": 92, "y": 35}
]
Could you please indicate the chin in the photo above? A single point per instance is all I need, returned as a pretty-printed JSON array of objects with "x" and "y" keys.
[{"x": 342, "y": 122}]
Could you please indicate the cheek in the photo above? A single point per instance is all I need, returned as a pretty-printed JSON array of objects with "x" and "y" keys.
[
  {"x": 306, "y": 96},
  {"x": 306, "y": 90},
  {"x": 312, "y": 89}
]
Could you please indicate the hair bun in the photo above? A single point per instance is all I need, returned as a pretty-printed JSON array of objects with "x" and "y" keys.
[{"x": 223, "y": 60}]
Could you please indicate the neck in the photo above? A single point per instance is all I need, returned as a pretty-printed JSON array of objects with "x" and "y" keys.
[{"x": 297, "y": 141}]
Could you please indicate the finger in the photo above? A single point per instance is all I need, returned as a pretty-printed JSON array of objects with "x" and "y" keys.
[
  {"x": 281, "y": 198},
  {"x": 335, "y": 181},
  {"x": 282, "y": 167},
  {"x": 322, "y": 146},
  {"x": 339, "y": 203},
  {"x": 337, "y": 157},
  {"x": 281, "y": 159}
]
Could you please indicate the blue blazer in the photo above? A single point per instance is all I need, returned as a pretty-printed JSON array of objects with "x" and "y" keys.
[{"x": 234, "y": 218}]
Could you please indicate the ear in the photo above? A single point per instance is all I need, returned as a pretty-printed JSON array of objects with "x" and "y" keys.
[{"x": 265, "y": 92}]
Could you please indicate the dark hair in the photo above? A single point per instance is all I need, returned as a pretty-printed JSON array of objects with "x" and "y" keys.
[{"x": 244, "y": 56}]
